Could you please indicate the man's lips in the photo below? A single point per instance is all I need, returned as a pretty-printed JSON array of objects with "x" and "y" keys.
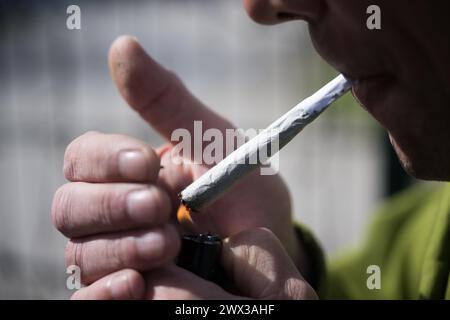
[{"x": 371, "y": 91}]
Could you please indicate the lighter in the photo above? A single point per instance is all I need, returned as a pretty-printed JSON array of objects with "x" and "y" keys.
[{"x": 200, "y": 253}]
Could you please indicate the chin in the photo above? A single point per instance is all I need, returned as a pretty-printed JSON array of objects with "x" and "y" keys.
[{"x": 423, "y": 164}]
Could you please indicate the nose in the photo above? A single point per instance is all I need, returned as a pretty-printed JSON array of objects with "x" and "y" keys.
[{"x": 277, "y": 11}]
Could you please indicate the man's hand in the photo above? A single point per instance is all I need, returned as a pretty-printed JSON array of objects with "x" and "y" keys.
[
  {"x": 255, "y": 261},
  {"x": 119, "y": 205}
]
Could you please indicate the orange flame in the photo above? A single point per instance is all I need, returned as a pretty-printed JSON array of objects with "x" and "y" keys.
[{"x": 185, "y": 219}]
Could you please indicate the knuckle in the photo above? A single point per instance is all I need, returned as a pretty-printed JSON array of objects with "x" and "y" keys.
[
  {"x": 69, "y": 253},
  {"x": 107, "y": 206},
  {"x": 74, "y": 253},
  {"x": 70, "y": 159},
  {"x": 61, "y": 209},
  {"x": 69, "y": 165},
  {"x": 72, "y": 156},
  {"x": 170, "y": 84},
  {"x": 112, "y": 209}
]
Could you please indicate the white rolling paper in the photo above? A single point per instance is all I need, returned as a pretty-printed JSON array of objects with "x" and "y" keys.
[{"x": 236, "y": 165}]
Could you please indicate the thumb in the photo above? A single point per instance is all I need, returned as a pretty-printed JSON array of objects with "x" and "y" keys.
[
  {"x": 156, "y": 93},
  {"x": 260, "y": 268}
]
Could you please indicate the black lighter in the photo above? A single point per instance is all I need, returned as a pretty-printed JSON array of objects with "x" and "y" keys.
[{"x": 200, "y": 254}]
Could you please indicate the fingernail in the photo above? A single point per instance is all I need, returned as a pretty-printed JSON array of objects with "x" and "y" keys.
[
  {"x": 118, "y": 286},
  {"x": 139, "y": 203},
  {"x": 133, "y": 165},
  {"x": 150, "y": 245}
]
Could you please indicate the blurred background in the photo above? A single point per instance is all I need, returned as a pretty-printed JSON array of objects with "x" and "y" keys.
[{"x": 55, "y": 85}]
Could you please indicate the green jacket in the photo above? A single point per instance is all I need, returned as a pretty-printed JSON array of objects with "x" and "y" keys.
[{"x": 410, "y": 243}]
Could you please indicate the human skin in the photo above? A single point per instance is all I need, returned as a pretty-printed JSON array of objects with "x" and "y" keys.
[
  {"x": 401, "y": 76},
  {"x": 119, "y": 206},
  {"x": 401, "y": 72}
]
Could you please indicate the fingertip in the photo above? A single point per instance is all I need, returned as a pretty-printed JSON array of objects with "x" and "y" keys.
[
  {"x": 126, "y": 285},
  {"x": 138, "y": 77},
  {"x": 122, "y": 44},
  {"x": 72, "y": 163},
  {"x": 125, "y": 54},
  {"x": 128, "y": 64},
  {"x": 57, "y": 220}
]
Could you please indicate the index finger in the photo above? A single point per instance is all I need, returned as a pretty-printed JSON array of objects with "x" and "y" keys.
[{"x": 156, "y": 93}]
